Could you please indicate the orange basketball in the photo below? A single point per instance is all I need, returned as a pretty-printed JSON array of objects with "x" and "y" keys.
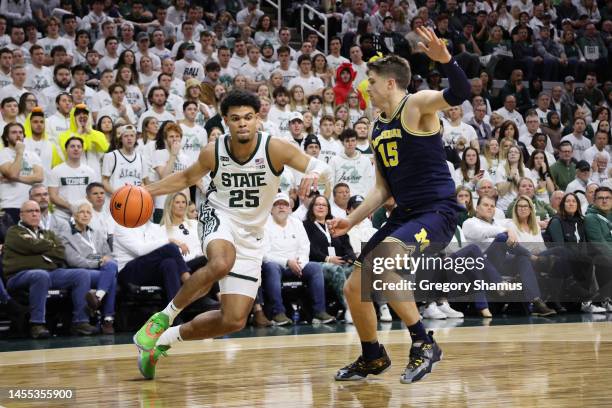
[{"x": 131, "y": 206}]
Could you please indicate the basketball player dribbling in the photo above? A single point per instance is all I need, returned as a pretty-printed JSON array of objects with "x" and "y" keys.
[
  {"x": 244, "y": 166},
  {"x": 410, "y": 167}
]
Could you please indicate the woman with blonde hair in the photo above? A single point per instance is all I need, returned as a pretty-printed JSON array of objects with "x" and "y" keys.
[
  {"x": 509, "y": 176},
  {"x": 465, "y": 200},
  {"x": 297, "y": 99},
  {"x": 491, "y": 157},
  {"x": 329, "y": 101},
  {"x": 504, "y": 145}
]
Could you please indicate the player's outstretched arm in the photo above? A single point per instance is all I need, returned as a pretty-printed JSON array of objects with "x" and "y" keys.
[
  {"x": 428, "y": 101},
  {"x": 373, "y": 200},
  {"x": 283, "y": 153},
  {"x": 188, "y": 177}
]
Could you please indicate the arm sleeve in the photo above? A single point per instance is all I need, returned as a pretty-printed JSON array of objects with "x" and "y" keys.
[{"x": 459, "y": 88}]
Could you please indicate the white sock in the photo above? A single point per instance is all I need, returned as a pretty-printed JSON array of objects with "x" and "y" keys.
[
  {"x": 172, "y": 335},
  {"x": 171, "y": 311},
  {"x": 100, "y": 294}
]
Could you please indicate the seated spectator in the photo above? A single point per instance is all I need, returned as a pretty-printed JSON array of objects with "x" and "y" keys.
[
  {"x": 567, "y": 227},
  {"x": 598, "y": 226},
  {"x": 509, "y": 176},
  {"x": 540, "y": 173},
  {"x": 601, "y": 169},
  {"x": 287, "y": 257},
  {"x": 564, "y": 170},
  {"x": 19, "y": 168},
  {"x": 88, "y": 249},
  {"x": 351, "y": 167},
  {"x": 538, "y": 142},
  {"x": 525, "y": 224},
  {"x": 490, "y": 159},
  {"x": 521, "y": 103},
  {"x": 69, "y": 180},
  {"x": 341, "y": 197},
  {"x": 101, "y": 219},
  {"x": 34, "y": 259},
  {"x": 555, "y": 199},
  {"x": 118, "y": 110},
  {"x": 335, "y": 254},
  {"x": 504, "y": 252},
  {"x": 470, "y": 171},
  {"x": 583, "y": 176},
  {"x": 543, "y": 211},
  {"x": 183, "y": 231},
  {"x": 168, "y": 158},
  {"x": 123, "y": 164},
  {"x": 94, "y": 142},
  {"x": 147, "y": 257},
  {"x": 601, "y": 145},
  {"x": 578, "y": 139},
  {"x": 465, "y": 200},
  {"x": 486, "y": 188}
]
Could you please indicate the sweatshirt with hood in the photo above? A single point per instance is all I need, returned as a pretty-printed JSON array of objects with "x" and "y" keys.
[
  {"x": 357, "y": 172},
  {"x": 94, "y": 145},
  {"x": 598, "y": 226},
  {"x": 342, "y": 89}
]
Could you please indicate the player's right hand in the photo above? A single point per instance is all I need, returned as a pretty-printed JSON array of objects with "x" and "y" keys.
[{"x": 338, "y": 226}]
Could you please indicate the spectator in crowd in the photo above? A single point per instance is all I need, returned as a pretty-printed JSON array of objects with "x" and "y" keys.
[
  {"x": 541, "y": 209},
  {"x": 34, "y": 259},
  {"x": 118, "y": 110},
  {"x": 598, "y": 227},
  {"x": 578, "y": 139},
  {"x": 470, "y": 171},
  {"x": 504, "y": 252},
  {"x": 514, "y": 86},
  {"x": 490, "y": 159},
  {"x": 351, "y": 167},
  {"x": 95, "y": 143},
  {"x": 482, "y": 128},
  {"x": 335, "y": 254},
  {"x": 123, "y": 164},
  {"x": 600, "y": 145},
  {"x": 287, "y": 257},
  {"x": 168, "y": 158},
  {"x": 147, "y": 257},
  {"x": 88, "y": 249},
  {"x": 48, "y": 220},
  {"x": 509, "y": 177},
  {"x": 68, "y": 181},
  {"x": 19, "y": 168},
  {"x": 540, "y": 174},
  {"x": 456, "y": 131},
  {"x": 564, "y": 169},
  {"x": 101, "y": 219},
  {"x": 583, "y": 176}
]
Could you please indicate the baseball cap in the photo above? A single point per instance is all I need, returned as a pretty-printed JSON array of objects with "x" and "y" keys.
[
  {"x": 354, "y": 202},
  {"x": 296, "y": 116},
  {"x": 311, "y": 139},
  {"x": 281, "y": 197},
  {"x": 417, "y": 77},
  {"x": 142, "y": 36},
  {"x": 81, "y": 108},
  {"x": 569, "y": 78},
  {"x": 583, "y": 165}
]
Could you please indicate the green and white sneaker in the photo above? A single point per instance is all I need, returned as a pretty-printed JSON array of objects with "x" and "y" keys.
[
  {"x": 148, "y": 334},
  {"x": 147, "y": 360}
]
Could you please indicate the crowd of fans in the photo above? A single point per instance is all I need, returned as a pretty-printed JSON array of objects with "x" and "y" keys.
[{"x": 97, "y": 95}]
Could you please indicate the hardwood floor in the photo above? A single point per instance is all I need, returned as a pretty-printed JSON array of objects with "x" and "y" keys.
[{"x": 560, "y": 365}]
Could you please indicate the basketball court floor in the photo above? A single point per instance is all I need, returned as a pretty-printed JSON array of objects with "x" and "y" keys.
[{"x": 520, "y": 362}]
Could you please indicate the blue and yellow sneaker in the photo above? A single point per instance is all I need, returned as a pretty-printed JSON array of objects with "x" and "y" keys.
[
  {"x": 147, "y": 360},
  {"x": 148, "y": 334},
  {"x": 423, "y": 358}
]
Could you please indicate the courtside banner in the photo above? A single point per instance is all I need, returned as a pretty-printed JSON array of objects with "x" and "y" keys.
[{"x": 492, "y": 271}]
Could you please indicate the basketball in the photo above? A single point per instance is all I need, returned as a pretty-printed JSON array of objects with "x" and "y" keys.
[{"x": 131, "y": 206}]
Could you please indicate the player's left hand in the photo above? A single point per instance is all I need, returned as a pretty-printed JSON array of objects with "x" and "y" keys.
[
  {"x": 309, "y": 183},
  {"x": 435, "y": 48}
]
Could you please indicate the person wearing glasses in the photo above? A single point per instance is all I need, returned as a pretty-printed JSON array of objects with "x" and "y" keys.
[
  {"x": 88, "y": 248},
  {"x": 34, "y": 259},
  {"x": 598, "y": 226}
]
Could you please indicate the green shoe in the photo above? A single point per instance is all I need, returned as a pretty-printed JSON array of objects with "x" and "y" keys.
[
  {"x": 147, "y": 359},
  {"x": 148, "y": 334}
]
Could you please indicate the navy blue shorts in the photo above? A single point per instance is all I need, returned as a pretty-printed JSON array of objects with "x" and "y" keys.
[{"x": 428, "y": 231}]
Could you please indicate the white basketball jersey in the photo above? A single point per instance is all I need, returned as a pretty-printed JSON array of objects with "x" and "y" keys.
[{"x": 244, "y": 192}]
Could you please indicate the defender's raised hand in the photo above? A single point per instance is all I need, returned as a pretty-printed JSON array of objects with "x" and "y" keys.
[{"x": 435, "y": 48}]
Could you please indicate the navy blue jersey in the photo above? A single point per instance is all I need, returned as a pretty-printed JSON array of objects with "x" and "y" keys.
[{"x": 413, "y": 164}]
